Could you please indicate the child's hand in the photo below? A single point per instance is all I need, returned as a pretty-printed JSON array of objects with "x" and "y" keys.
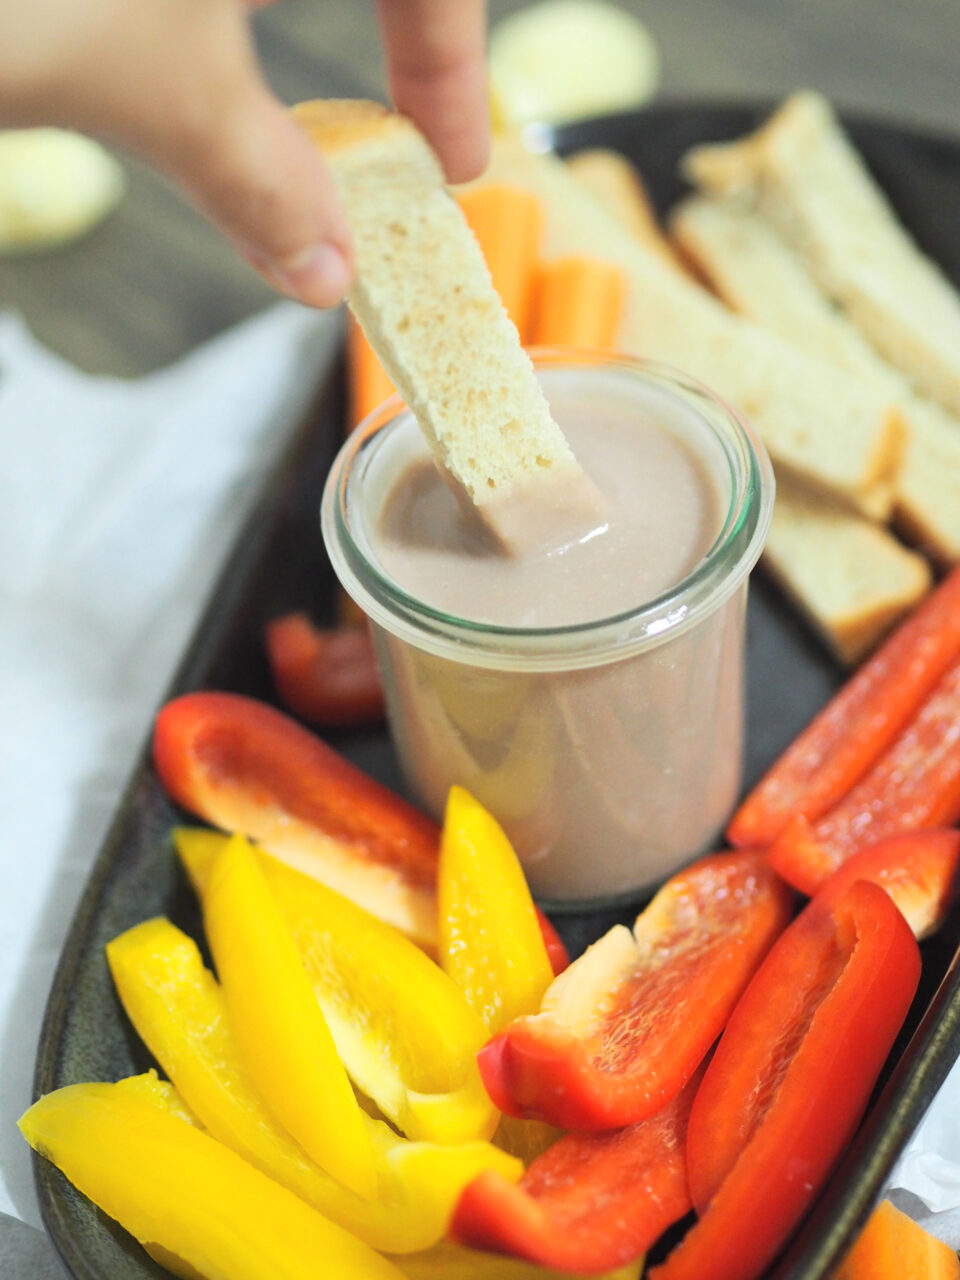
[{"x": 177, "y": 82}]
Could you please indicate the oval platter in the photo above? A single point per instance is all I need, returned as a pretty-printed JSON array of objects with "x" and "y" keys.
[{"x": 279, "y": 564}]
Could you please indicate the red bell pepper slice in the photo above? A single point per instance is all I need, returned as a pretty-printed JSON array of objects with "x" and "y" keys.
[
  {"x": 790, "y": 1078},
  {"x": 226, "y": 757},
  {"x": 915, "y": 784},
  {"x": 858, "y": 724},
  {"x": 246, "y": 767},
  {"x": 592, "y": 1201},
  {"x": 918, "y": 871},
  {"x": 328, "y": 677},
  {"x": 620, "y": 1033}
]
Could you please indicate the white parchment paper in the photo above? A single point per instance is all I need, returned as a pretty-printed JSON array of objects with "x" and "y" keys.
[{"x": 118, "y": 503}]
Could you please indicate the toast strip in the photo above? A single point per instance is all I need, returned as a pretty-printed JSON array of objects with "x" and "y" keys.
[
  {"x": 424, "y": 298},
  {"x": 615, "y": 184},
  {"x": 851, "y": 579},
  {"x": 810, "y": 182},
  {"x": 816, "y": 421},
  {"x": 756, "y": 273}
]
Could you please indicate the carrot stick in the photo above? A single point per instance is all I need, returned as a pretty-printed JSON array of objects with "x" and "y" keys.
[
  {"x": 915, "y": 784},
  {"x": 368, "y": 386},
  {"x": 578, "y": 303},
  {"x": 857, "y": 725},
  {"x": 508, "y": 223},
  {"x": 349, "y": 613},
  {"x": 368, "y": 383},
  {"x": 894, "y": 1247}
]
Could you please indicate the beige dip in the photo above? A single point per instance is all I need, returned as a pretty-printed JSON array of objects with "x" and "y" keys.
[{"x": 610, "y": 768}]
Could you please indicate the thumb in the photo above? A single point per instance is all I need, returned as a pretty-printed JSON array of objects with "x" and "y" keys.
[{"x": 257, "y": 175}]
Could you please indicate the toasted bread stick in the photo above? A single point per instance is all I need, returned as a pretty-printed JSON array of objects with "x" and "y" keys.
[
  {"x": 757, "y": 273},
  {"x": 808, "y": 179},
  {"x": 613, "y": 181},
  {"x": 424, "y": 298},
  {"x": 851, "y": 579},
  {"x": 817, "y": 422}
]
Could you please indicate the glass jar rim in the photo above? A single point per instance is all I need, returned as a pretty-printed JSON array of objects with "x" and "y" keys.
[{"x": 714, "y": 578}]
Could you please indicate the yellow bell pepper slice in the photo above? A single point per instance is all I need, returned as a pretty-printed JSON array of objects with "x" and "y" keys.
[
  {"x": 453, "y": 1262},
  {"x": 176, "y": 1006},
  {"x": 162, "y": 1094},
  {"x": 173, "y": 1186},
  {"x": 404, "y": 1030},
  {"x": 490, "y": 941},
  {"x": 277, "y": 1024},
  {"x": 198, "y": 849}
]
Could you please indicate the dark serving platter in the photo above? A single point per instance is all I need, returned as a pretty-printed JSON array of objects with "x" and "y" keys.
[{"x": 279, "y": 564}]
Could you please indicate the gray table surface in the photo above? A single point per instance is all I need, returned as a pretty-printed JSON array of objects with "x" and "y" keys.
[{"x": 154, "y": 280}]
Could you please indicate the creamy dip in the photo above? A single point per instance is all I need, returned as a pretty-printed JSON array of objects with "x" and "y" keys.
[
  {"x": 662, "y": 513},
  {"x": 610, "y": 770}
]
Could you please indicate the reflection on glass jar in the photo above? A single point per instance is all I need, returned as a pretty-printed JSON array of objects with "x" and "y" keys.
[{"x": 609, "y": 748}]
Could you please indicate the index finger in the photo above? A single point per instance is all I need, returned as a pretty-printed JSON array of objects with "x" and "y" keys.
[{"x": 436, "y": 69}]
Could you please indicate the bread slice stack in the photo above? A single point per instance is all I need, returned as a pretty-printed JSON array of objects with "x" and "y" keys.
[
  {"x": 424, "y": 298},
  {"x": 844, "y": 569},
  {"x": 791, "y": 230},
  {"x": 817, "y": 423},
  {"x": 804, "y": 177}
]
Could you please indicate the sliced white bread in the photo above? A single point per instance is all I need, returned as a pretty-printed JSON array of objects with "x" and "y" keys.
[
  {"x": 615, "y": 184},
  {"x": 815, "y": 420},
  {"x": 757, "y": 273},
  {"x": 850, "y": 578},
  {"x": 423, "y": 295},
  {"x": 808, "y": 179}
]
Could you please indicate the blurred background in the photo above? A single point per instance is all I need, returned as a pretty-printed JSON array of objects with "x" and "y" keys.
[{"x": 153, "y": 280}]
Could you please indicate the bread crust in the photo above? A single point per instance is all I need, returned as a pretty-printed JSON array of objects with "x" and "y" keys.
[{"x": 337, "y": 124}]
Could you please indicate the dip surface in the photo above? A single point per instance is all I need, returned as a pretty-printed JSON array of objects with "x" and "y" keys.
[
  {"x": 664, "y": 512},
  {"x": 613, "y": 762}
]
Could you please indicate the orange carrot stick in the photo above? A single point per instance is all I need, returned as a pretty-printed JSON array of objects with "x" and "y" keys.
[
  {"x": 858, "y": 724},
  {"x": 367, "y": 387},
  {"x": 368, "y": 383},
  {"x": 578, "y": 303},
  {"x": 508, "y": 223},
  {"x": 894, "y": 1247}
]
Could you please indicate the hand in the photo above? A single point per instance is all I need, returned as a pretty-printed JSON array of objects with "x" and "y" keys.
[{"x": 177, "y": 82}]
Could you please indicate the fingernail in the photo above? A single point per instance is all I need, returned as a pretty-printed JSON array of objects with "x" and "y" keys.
[{"x": 319, "y": 276}]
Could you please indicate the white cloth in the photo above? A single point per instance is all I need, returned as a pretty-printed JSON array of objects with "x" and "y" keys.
[
  {"x": 118, "y": 503},
  {"x": 929, "y": 1166}
]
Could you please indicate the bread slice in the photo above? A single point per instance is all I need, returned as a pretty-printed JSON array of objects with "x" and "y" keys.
[
  {"x": 615, "y": 184},
  {"x": 810, "y": 182},
  {"x": 756, "y": 273},
  {"x": 424, "y": 298},
  {"x": 851, "y": 579},
  {"x": 816, "y": 421}
]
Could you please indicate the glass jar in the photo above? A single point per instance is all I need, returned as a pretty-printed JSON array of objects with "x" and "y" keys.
[{"x": 609, "y": 750}]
